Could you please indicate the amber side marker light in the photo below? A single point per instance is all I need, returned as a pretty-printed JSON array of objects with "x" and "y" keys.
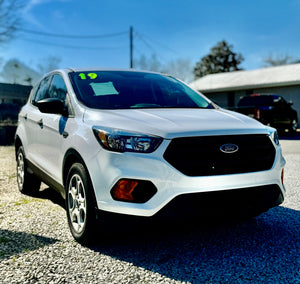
[
  {"x": 123, "y": 190},
  {"x": 136, "y": 191}
]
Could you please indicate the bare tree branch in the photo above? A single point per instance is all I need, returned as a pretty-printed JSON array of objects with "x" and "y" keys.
[
  {"x": 9, "y": 19},
  {"x": 277, "y": 60}
]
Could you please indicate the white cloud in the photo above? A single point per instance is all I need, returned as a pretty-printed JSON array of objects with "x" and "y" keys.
[{"x": 28, "y": 11}]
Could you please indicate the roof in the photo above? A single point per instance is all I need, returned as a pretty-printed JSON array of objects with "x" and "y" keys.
[
  {"x": 285, "y": 75},
  {"x": 86, "y": 69}
]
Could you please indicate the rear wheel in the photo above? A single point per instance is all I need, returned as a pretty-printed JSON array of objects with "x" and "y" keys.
[
  {"x": 80, "y": 204},
  {"x": 27, "y": 183}
]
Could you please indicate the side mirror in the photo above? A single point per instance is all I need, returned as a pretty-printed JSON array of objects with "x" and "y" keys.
[{"x": 52, "y": 105}]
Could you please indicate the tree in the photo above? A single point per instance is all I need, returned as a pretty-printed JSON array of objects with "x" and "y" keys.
[
  {"x": 150, "y": 64},
  {"x": 49, "y": 63},
  {"x": 180, "y": 68},
  {"x": 221, "y": 59},
  {"x": 9, "y": 19},
  {"x": 16, "y": 72},
  {"x": 278, "y": 59}
]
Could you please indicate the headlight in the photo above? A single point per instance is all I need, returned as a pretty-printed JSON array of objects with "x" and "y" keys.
[
  {"x": 274, "y": 136},
  {"x": 122, "y": 141}
]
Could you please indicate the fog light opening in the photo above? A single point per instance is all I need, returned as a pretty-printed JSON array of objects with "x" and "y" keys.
[
  {"x": 282, "y": 175},
  {"x": 131, "y": 190},
  {"x": 123, "y": 190}
]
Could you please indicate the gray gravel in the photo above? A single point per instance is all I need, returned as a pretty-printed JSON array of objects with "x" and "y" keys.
[{"x": 37, "y": 247}]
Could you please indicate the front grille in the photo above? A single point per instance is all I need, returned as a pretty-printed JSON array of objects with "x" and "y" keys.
[{"x": 201, "y": 156}]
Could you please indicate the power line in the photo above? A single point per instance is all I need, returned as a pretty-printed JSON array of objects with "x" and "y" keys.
[
  {"x": 149, "y": 46},
  {"x": 73, "y": 36},
  {"x": 71, "y": 46},
  {"x": 142, "y": 36},
  {"x": 145, "y": 42}
]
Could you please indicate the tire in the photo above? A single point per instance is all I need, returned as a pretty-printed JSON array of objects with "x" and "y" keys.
[
  {"x": 27, "y": 183},
  {"x": 80, "y": 205}
]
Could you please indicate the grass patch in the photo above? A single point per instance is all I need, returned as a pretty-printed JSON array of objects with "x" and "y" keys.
[
  {"x": 12, "y": 176},
  {"x": 22, "y": 202},
  {"x": 25, "y": 201}
]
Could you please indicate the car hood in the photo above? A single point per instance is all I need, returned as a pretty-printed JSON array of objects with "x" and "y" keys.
[{"x": 170, "y": 123}]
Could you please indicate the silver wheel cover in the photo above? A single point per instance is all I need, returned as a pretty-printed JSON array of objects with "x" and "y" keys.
[{"x": 77, "y": 203}]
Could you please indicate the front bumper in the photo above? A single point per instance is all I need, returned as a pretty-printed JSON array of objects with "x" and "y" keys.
[{"x": 106, "y": 168}]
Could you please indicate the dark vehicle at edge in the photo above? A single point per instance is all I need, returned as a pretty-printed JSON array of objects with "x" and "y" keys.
[{"x": 269, "y": 109}]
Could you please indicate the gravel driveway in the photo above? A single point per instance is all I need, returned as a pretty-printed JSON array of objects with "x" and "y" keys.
[{"x": 37, "y": 247}]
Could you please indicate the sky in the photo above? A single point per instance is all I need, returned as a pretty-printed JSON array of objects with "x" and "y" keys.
[{"x": 94, "y": 33}]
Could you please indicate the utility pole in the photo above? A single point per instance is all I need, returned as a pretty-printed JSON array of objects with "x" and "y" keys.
[{"x": 131, "y": 46}]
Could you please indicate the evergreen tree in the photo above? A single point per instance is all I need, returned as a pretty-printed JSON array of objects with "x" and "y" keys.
[{"x": 221, "y": 59}]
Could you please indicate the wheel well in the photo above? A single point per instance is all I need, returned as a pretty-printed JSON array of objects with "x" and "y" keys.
[
  {"x": 71, "y": 157},
  {"x": 18, "y": 143}
]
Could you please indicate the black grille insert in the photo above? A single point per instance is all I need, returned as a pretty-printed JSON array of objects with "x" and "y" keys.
[
  {"x": 224, "y": 202},
  {"x": 201, "y": 156}
]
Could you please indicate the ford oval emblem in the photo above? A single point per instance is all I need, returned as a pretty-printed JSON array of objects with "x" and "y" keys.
[{"x": 229, "y": 148}]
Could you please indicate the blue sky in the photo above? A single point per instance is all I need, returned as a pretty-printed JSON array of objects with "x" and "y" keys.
[{"x": 171, "y": 29}]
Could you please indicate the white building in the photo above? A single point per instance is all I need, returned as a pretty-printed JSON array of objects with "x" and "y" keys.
[{"x": 226, "y": 88}]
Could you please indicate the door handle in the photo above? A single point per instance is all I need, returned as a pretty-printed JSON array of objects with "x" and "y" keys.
[
  {"x": 25, "y": 116},
  {"x": 40, "y": 123}
]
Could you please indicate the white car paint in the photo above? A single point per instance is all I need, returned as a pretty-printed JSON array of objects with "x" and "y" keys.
[{"x": 46, "y": 148}]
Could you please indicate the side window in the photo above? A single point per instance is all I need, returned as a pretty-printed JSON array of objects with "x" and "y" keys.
[
  {"x": 58, "y": 88},
  {"x": 42, "y": 92}
]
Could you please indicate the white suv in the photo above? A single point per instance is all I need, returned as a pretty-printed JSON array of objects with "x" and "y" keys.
[{"x": 142, "y": 144}]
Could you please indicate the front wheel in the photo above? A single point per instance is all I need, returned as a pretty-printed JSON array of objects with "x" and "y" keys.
[{"x": 80, "y": 204}]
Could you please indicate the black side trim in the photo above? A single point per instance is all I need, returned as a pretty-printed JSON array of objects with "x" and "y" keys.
[{"x": 46, "y": 178}]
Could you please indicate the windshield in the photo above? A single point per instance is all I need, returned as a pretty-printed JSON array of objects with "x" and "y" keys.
[{"x": 132, "y": 90}]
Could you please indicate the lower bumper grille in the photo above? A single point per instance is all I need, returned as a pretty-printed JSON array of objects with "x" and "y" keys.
[{"x": 225, "y": 202}]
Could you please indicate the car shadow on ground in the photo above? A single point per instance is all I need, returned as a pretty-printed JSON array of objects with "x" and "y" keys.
[
  {"x": 50, "y": 194},
  {"x": 237, "y": 252},
  {"x": 12, "y": 243}
]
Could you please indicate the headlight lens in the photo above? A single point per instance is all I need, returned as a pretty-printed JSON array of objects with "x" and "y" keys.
[
  {"x": 122, "y": 141},
  {"x": 274, "y": 136}
]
